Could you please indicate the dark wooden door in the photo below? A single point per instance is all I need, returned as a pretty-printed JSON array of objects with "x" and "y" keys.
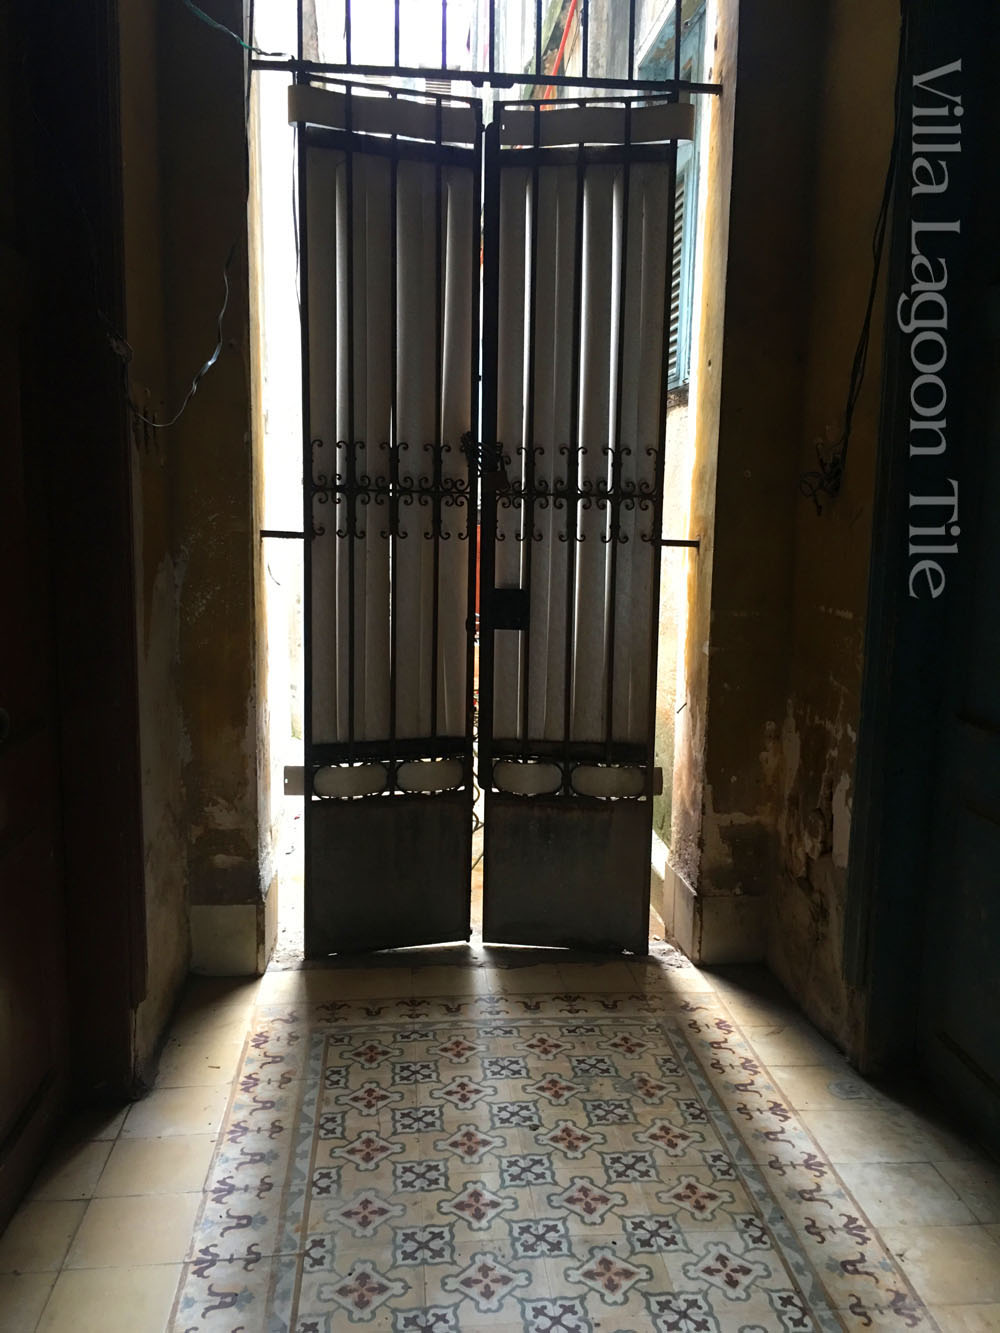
[
  {"x": 33, "y": 1025},
  {"x": 960, "y": 1033}
]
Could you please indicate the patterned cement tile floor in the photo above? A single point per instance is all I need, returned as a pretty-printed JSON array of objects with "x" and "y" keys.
[{"x": 554, "y": 1148}]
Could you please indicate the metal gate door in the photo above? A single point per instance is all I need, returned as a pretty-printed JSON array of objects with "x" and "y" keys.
[
  {"x": 389, "y": 226},
  {"x": 577, "y": 287}
]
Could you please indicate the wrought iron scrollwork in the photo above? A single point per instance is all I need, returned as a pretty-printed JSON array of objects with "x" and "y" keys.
[{"x": 390, "y": 489}]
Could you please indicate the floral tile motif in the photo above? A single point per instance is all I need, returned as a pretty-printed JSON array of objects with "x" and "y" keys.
[
  {"x": 364, "y": 1213},
  {"x": 556, "y": 1163},
  {"x": 571, "y": 1139},
  {"x": 361, "y": 1291},
  {"x": 487, "y": 1281},
  {"x": 698, "y": 1199},
  {"x": 560, "y": 1315},
  {"x": 540, "y": 1238},
  {"x": 477, "y": 1205},
  {"x": 416, "y": 1246},
  {"x": 470, "y": 1144},
  {"x": 419, "y": 1177},
  {"x": 586, "y": 1200},
  {"x": 607, "y": 1273},
  {"x": 732, "y": 1274}
]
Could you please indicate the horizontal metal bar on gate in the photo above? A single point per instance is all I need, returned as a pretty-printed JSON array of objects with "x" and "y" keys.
[
  {"x": 583, "y": 752},
  {"x": 399, "y": 149},
  {"x": 597, "y": 125},
  {"x": 585, "y": 154},
  {"x": 322, "y": 753},
  {"x": 427, "y": 121},
  {"x": 477, "y": 77},
  {"x": 681, "y": 541}
]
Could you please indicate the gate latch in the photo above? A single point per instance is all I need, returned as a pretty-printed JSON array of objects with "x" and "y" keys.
[{"x": 509, "y": 608}]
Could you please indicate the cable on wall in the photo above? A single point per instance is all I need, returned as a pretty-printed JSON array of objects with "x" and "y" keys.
[{"x": 827, "y": 477}]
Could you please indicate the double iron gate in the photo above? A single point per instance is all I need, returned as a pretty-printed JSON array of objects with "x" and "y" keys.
[{"x": 522, "y": 443}]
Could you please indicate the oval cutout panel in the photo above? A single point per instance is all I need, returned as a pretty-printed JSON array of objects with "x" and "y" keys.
[
  {"x": 608, "y": 780},
  {"x": 430, "y": 774},
  {"x": 527, "y": 778},
  {"x": 349, "y": 780}
]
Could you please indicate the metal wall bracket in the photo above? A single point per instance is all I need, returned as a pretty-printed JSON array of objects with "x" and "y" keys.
[{"x": 295, "y": 780}]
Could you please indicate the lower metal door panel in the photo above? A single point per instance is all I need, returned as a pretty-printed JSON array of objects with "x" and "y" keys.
[
  {"x": 393, "y": 872},
  {"x": 559, "y": 873}
]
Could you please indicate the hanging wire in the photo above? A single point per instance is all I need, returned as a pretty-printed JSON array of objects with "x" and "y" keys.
[
  {"x": 221, "y": 27},
  {"x": 827, "y": 477},
  {"x": 123, "y": 350}
]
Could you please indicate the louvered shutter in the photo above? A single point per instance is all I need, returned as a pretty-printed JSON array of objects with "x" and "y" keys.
[{"x": 677, "y": 358}]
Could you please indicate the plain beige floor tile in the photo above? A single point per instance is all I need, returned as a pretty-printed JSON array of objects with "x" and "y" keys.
[
  {"x": 193, "y": 1110},
  {"x": 821, "y": 1087},
  {"x": 112, "y": 1300},
  {"x": 872, "y": 1134},
  {"x": 316, "y": 985},
  {"x": 602, "y": 978},
  {"x": 135, "y": 1231},
  {"x": 785, "y": 1044},
  {"x": 948, "y": 1265},
  {"x": 38, "y": 1235},
  {"x": 450, "y": 981},
  {"x": 652, "y": 976},
  {"x": 22, "y": 1299},
  {"x": 201, "y": 1062},
  {"x": 176, "y": 1164},
  {"x": 967, "y": 1318},
  {"x": 894, "y": 1194},
  {"x": 73, "y": 1170},
  {"x": 96, "y": 1122},
  {"x": 978, "y": 1184}
]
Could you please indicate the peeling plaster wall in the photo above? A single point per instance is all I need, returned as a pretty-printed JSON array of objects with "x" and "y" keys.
[
  {"x": 831, "y": 553},
  {"x": 160, "y": 743},
  {"x": 184, "y": 207},
  {"x": 777, "y": 596}
]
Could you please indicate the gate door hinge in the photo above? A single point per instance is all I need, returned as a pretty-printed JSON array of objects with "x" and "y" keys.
[
  {"x": 508, "y": 608},
  {"x": 657, "y": 781}
]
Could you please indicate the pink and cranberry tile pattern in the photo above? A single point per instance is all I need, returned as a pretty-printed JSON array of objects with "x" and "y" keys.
[{"x": 554, "y": 1164}]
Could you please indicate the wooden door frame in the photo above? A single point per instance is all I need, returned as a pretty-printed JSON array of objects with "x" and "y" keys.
[
  {"x": 910, "y": 643},
  {"x": 76, "y": 430}
]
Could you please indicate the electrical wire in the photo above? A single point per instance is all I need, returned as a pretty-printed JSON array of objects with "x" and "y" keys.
[
  {"x": 124, "y": 352},
  {"x": 221, "y": 27},
  {"x": 827, "y": 477}
]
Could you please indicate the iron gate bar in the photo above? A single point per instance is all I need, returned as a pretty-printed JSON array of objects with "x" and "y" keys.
[
  {"x": 337, "y": 752},
  {"x": 573, "y": 451},
  {"x": 585, "y": 38},
  {"x": 352, "y": 509},
  {"x": 631, "y": 35},
  {"x": 490, "y": 450},
  {"x": 306, "y": 70},
  {"x": 475, "y": 433},
  {"x": 410, "y": 150},
  {"x": 614, "y": 515},
  {"x": 438, "y": 390},
  {"x": 604, "y": 155},
  {"x": 308, "y": 519},
  {"x": 393, "y": 430},
  {"x": 529, "y": 429}
]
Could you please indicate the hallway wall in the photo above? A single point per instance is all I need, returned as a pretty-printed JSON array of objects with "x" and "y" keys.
[
  {"x": 778, "y": 601},
  {"x": 184, "y": 200}
]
